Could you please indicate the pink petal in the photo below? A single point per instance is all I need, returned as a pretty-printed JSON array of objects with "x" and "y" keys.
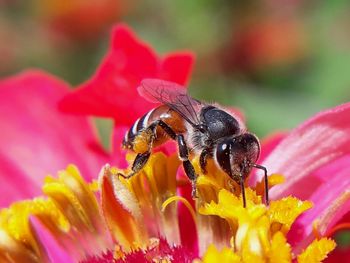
[
  {"x": 111, "y": 92},
  {"x": 318, "y": 141},
  {"x": 269, "y": 143},
  {"x": 13, "y": 178},
  {"x": 55, "y": 252},
  {"x": 331, "y": 202},
  {"x": 37, "y": 140}
]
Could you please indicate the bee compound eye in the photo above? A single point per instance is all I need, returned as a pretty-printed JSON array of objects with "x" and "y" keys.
[{"x": 222, "y": 156}]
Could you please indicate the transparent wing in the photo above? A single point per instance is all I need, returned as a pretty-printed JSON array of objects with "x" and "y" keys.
[{"x": 174, "y": 96}]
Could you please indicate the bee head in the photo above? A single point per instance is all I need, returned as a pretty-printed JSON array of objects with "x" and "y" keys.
[{"x": 237, "y": 155}]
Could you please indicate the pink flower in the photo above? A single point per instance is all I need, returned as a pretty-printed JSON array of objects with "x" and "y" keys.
[
  {"x": 37, "y": 139},
  {"x": 127, "y": 214},
  {"x": 314, "y": 158}
]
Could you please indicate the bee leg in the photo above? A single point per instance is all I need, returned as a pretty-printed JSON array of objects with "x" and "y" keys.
[
  {"x": 166, "y": 128},
  {"x": 266, "y": 182},
  {"x": 203, "y": 160},
  {"x": 183, "y": 153},
  {"x": 139, "y": 162},
  {"x": 241, "y": 182},
  {"x": 188, "y": 167}
]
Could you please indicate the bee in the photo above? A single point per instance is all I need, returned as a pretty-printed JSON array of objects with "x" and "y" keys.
[{"x": 202, "y": 128}]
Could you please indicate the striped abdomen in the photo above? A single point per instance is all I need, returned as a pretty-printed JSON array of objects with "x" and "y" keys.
[{"x": 138, "y": 138}]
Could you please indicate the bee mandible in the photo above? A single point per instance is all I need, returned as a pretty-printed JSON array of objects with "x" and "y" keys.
[{"x": 203, "y": 128}]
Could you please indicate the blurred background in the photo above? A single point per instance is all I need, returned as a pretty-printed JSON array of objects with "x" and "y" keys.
[{"x": 280, "y": 61}]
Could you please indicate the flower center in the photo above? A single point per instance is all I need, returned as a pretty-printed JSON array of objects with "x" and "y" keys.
[{"x": 141, "y": 218}]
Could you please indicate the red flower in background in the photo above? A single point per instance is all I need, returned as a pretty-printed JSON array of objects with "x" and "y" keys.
[
  {"x": 80, "y": 20},
  {"x": 266, "y": 43},
  {"x": 111, "y": 92}
]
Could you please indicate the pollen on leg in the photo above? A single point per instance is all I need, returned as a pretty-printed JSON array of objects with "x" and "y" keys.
[{"x": 142, "y": 141}]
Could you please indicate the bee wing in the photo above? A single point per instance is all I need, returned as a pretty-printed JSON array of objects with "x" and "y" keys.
[{"x": 174, "y": 96}]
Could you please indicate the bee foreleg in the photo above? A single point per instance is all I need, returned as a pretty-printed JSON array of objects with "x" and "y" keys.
[
  {"x": 241, "y": 182},
  {"x": 188, "y": 167},
  {"x": 266, "y": 182},
  {"x": 203, "y": 160},
  {"x": 139, "y": 162}
]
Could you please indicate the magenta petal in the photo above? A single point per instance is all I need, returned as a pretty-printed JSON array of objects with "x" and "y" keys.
[
  {"x": 36, "y": 139},
  {"x": 331, "y": 202},
  {"x": 318, "y": 141},
  {"x": 13, "y": 178},
  {"x": 55, "y": 252},
  {"x": 269, "y": 143}
]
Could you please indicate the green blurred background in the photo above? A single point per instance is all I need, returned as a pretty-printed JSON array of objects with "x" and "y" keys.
[{"x": 279, "y": 61}]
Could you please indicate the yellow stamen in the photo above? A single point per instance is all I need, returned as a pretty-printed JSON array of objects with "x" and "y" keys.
[
  {"x": 317, "y": 251},
  {"x": 274, "y": 179},
  {"x": 184, "y": 201},
  {"x": 133, "y": 206},
  {"x": 280, "y": 251},
  {"x": 138, "y": 210},
  {"x": 286, "y": 210},
  {"x": 70, "y": 213},
  {"x": 226, "y": 255}
]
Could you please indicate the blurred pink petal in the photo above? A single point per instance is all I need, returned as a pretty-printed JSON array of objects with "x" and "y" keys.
[
  {"x": 36, "y": 139},
  {"x": 55, "y": 252}
]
